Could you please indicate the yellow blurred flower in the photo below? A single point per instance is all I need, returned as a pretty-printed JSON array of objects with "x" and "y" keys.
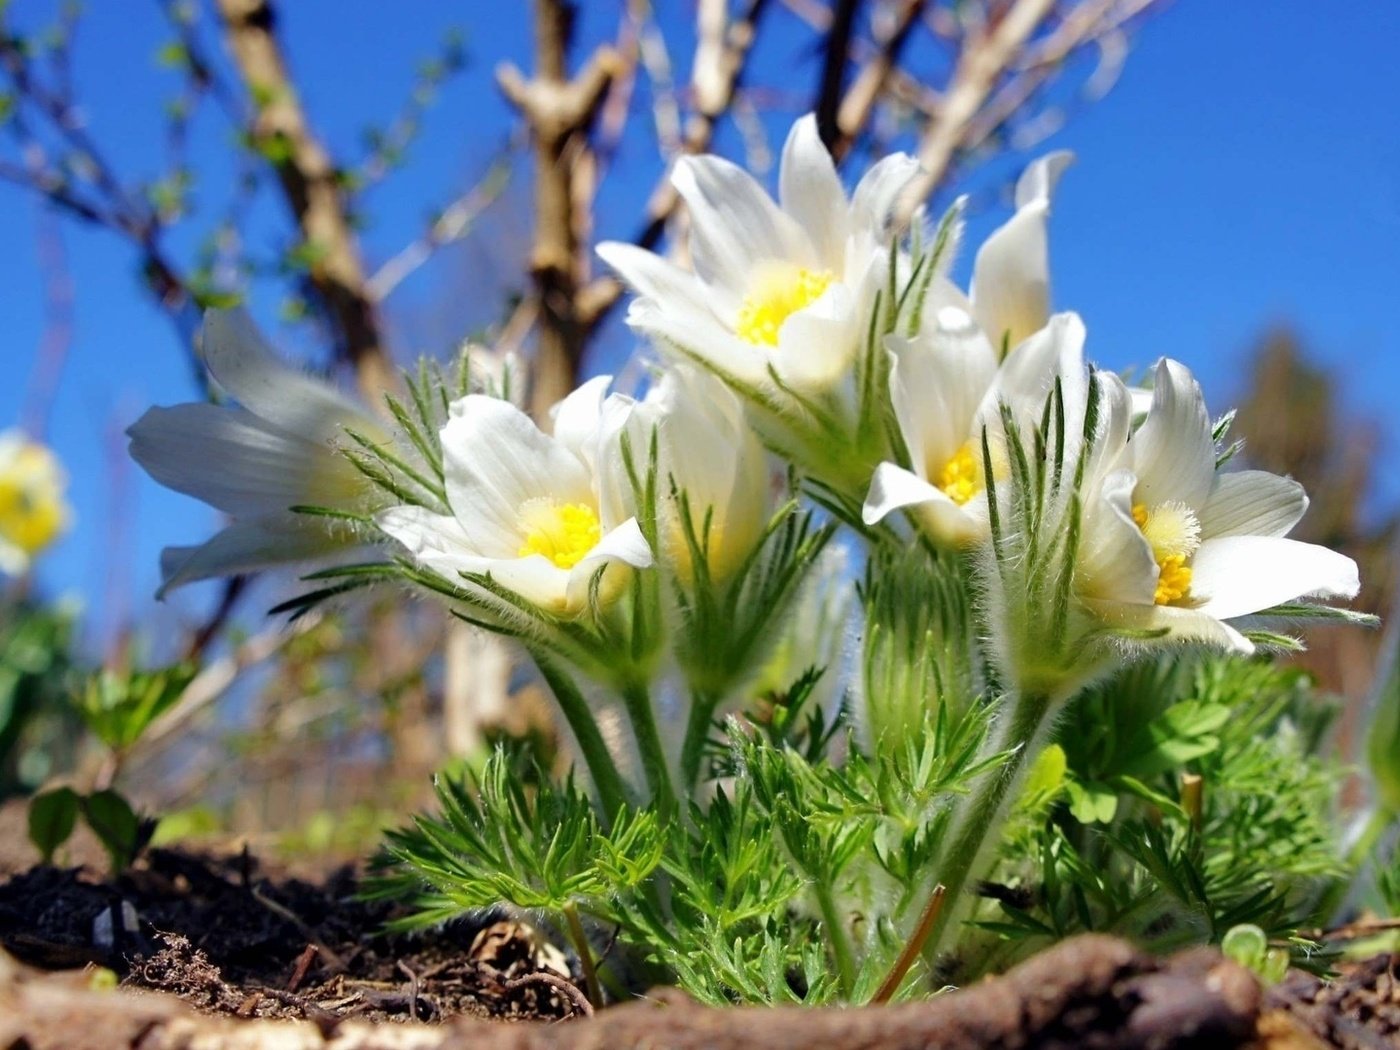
[{"x": 33, "y": 512}]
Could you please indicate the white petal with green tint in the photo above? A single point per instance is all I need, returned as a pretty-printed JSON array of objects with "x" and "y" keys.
[
  {"x": 1253, "y": 503},
  {"x": 1241, "y": 575}
]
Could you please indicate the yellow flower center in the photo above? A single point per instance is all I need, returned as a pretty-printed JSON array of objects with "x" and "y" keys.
[
  {"x": 563, "y": 532},
  {"x": 1173, "y": 532},
  {"x": 961, "y": 477},
  {"x": 777, "y": 291},
  {"x": 31, "y": 506}
]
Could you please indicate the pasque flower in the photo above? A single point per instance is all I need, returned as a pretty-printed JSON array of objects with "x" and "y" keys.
[
  {"x": 538, "y": 513},
  {"x": 273, "y": 450},
  {"x": 33, "y": 512},
  {"x": 785, "y": 286},
  {"x": 946, "y": 386},
  {"x": 1173, "y": 544}
]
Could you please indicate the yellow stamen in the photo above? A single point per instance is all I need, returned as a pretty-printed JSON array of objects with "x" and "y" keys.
[
  {"x": 31, "y": 506},
  {"x": 1173, "y": 532},
  {"x": 777, "y": 291},
  {"x": 563, "y": 532},
  {"x": 1173, "y": 581},
  {"x": 961, "y": 477}
]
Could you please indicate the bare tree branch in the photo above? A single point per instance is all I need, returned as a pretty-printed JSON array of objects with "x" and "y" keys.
[
  {"x": 981, "y": 63},
  {"x": 559, "y": 112},
  {"x": 874, "y": 79},
  {"x": 835, "y": 57},
  {"x": 308, "y": 176}
]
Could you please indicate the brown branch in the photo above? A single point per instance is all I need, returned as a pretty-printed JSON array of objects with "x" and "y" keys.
[
  {"x": 835, "y": 57},
  {"x": 982, "y": 61},
  {"x": 715, "y": 89},
  {"x": 559, "y": 112},
  {"x": 281, "y": 132},
  {"x": 873, "y": 80}
]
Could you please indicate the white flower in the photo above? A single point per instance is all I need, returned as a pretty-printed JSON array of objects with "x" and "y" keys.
[
  {"x": 786, "y": 286},
  {"x": 33, "y": 512},
  {"x": 706, "y": 447},
  {"x": 1171, "y": 543},
  {"x": 1011, "y": 275},
  {"x": 275, "y": 450},
  {"x": 535, "y": 512},
  {"x": 946, "y": 386}
]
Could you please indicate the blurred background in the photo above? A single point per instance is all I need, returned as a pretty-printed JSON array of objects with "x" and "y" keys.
[{"x": 380, "y": 182}]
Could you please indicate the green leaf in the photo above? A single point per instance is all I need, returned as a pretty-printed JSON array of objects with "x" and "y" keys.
[
  {"x": 1092, "y": 802},
  {"x": 52, "y": 816},
  {"x": 115, "y": 824}
]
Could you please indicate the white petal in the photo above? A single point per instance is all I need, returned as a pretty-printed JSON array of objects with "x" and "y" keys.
[
  {"x": 1028, "y": 374},
  {"x": 937, "y": 382},
  {"x": 659, "y": 279},
  {"x": 254, "y": 376},
  {"x": 537, "y": 580},
  {"x": 495, "y": 461},
  {"x": 1115, "y": 561},
  {"x": 734, "y": 223},
  {"x": 893, "y": 488},
  {"x": 1011, "y": 274},
  {"x": 811, "y": 192},
  {"x": 250, "y": 546},
  {"x": 817, "y": 344},
  {"x": 1110, "y": 443},
  {"x": 1038, "y": 181},
  {"x": 435, "y": 540},
  {"x": 698, "y": 339},
  {"x": 1174, "y": 451},
  {"x": 1184, "y": 625},
  {"x": 14, "y": 561},
  {"x": 1252, "y": 503},
  {"x": 1240, "y": 575},
  {"x": 624, "y": 543},
  {"x": 235, "y": 461},
  {"x": 577, "y": 418},
  {"x": 875, "y": 197}
]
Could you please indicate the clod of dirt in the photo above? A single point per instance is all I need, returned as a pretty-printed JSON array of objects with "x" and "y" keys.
[
  {"x": 1359, "y": 1010},
  {"x": 1092, "y": 993}
]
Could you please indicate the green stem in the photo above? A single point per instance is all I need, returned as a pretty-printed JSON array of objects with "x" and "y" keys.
[
  {"x": 976, "y": 827},
  {"x": 606, "y": 779},
  {"x": 585, "y": 955},
  {"x": 637, "y": 700},
  {"x": 697, "y": 731},
  {"x": 837, "y": 935}
]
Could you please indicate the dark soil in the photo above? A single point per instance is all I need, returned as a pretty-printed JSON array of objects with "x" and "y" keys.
[{"x": 227, "y": 938}]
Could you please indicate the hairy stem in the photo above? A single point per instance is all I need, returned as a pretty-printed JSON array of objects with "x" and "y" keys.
[
  {"x": 612, "y": 792},
  {"x": 637, "y": 700},
  {"x": 837, "y": 935},
  {"x": 976, "y": 826},
  {"x": 697, "y": 731}
]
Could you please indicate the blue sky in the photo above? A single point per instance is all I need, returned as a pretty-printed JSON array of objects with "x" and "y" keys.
[{"x": 1244, "y": 171}]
